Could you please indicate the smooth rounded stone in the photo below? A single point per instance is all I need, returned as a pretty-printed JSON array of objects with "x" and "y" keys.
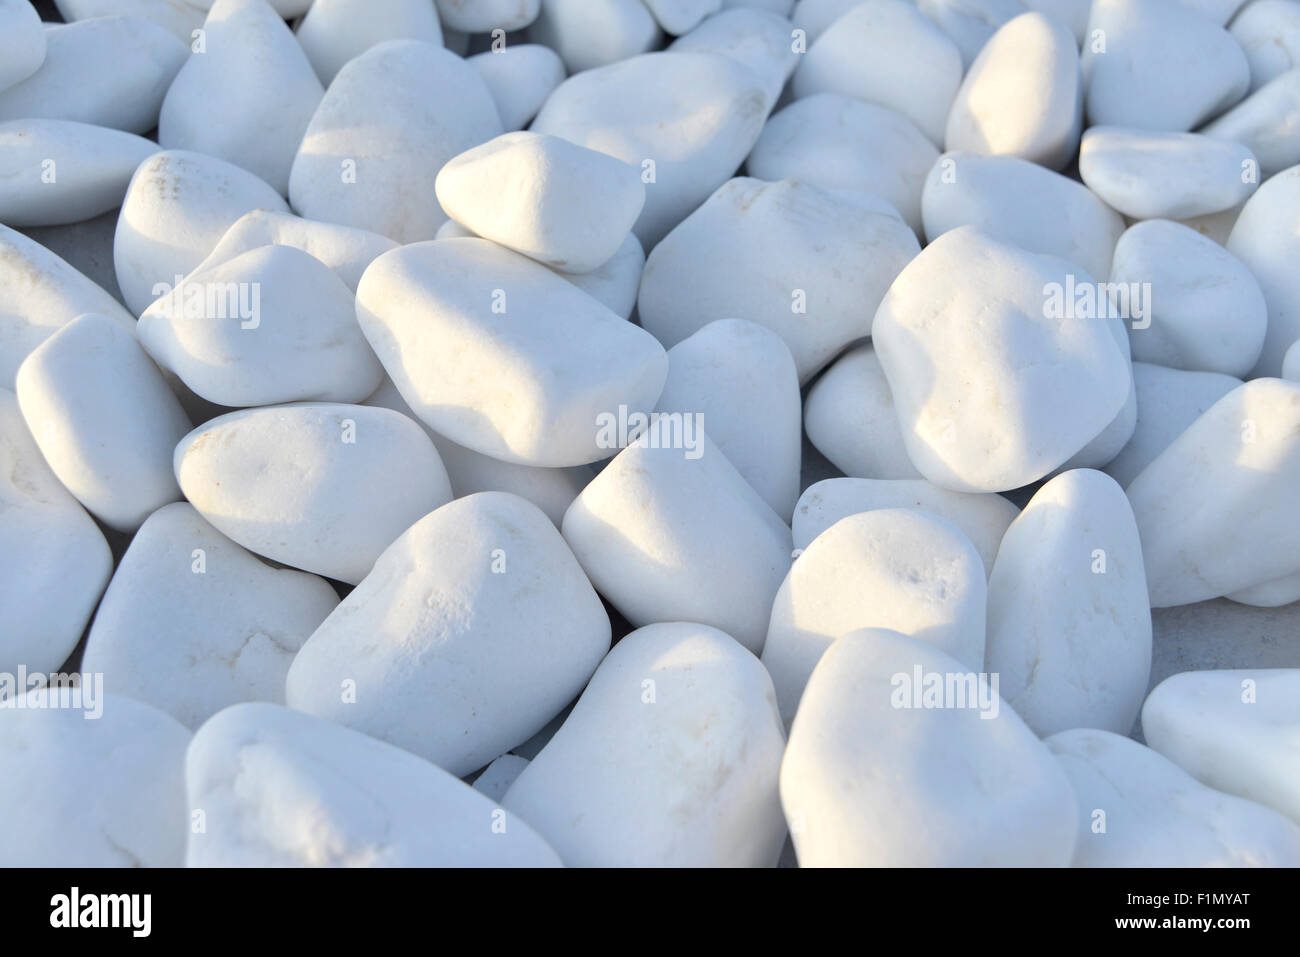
[
  {"x": 22, "y": 42},
  {"x": 983, "y": 519},
  {"x": 676, "y": 534},
  {"x": 1110, "y": 441},
  {"x": 104, "y": 418},
  {"x": 1269, "y": 33},
  {"x": 595, "y": 33},
  {"x": 535, "y": 392},
  {"x": 109, "y": 71},
  {"x": 1073, "y": 13},
  {"x": 1206, "y": 311},
  {"x": 192, "y": 623},
  {"x": 1069, "y": 629},
  {"x": 499, "y": 775},
  {"x": 685, "y": 120},
  {"x": 520, "y": 78},
  {"x": 335, "y": 31},
  {"x": 840, "y": 143},
  {"x": 1291, "y": 362},
  {"x": 1155, "y": 814},
  {"x": 1267, "y": 122},
  {"x": 345, "y": 250},
  {"x": 218, "y": 103},
  {"x": 483, "y": 16},
  {"x": 563, "y": 205},
  {"x": 177, "y": 207},
  {"x": 551, "y": 490},
  {"x": 758, "y": 39},
  {"x": 1022, "y": 203},
  {"x": 271, "y": 325},
  {"x": 873, "y": 776},
  {"x": 897, "y": 568},
  {"x": 54, "y": 561},
  {"x": 1148, "y": 175},
  {"x": 809, "y": 264},
  {"x": 1158, "y": 65},
  {"x": 57, "y": 171},
  {"x": 81, "y": 792},
  {"x": 259, "y": 771},
  {"x": 378, "y": 132},
  {"x": 1216, "y": 508},
  {"x": 475, "y": 628},
  {"x": 669, "y": 759},
  {"x": 850, "y": 418},
  {"x": 1168, "y": 401},
  {"x": 319, "y": 486},
  {"x": 180, "y": 18},
  {"x": 886, "y": 52},
  {"x": 1235, "y": 731},
  {"x": 993, "y": 389},
  {"x": 1022, "y": 96},
  {"x": 614, "y": 284},
  {"x": 39, "y": 294},
  {"x": 739, "y": 380},
  {"x": 1264, "y": 238},
  {"x": 971, "y": 24}
]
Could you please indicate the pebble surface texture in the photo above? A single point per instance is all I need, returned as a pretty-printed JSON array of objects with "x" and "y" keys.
[{"x": 650, "y": 433}]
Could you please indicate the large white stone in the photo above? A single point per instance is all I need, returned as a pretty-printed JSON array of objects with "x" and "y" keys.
[
  {"x": 474, "y": 629},
  {"x": 498, "y": 354},
  {"x": 54, "y": 561},
  {"x": 1235, "y": 731},
  {"x": 1153, "y": 175},
  {"x": 685, "y": 120},
  {"x": 283, "y": 789},
  {"x": 886, "y": 52},
  {"x": 22, "y": 42},
  {"x": 841, "y": 143},
  {"x": 335, "y": 31},
  {"x": 1267, "y": 122},
  {"x": 104, "y": 418},
  {"x": 983, "y": 519},
  {"x": 268, "y": 326},
  {"x": 669, "y": 759},
  {"x": 1155, "y": 814},
  {"x": 1206, "y": 311},
  {"x": 1021, "y": 203},
  {"x": 109, "y": 71},
  {"x": 346, "y": 250},
  {"x": 318, "y": 486},
  {"x": 757, "y": 39},
  {"x": 1022, "y": 96},
  {"x": 177, "y": 207},
  {"x": 874, "y": 777},
  {"x": 676, "y": 534},
  {"x": 565, "y": 206},
  {"x": 849, "y": 417},
  {"x": 91, "y": 792},
  {"x": 1168, "y": 401},
  {"x": 1162, "y": 66},
  {"x": 1216, "y": 509},
  {"x": 1269, "y": 33},
  {"x": 741, "y": 379},
  {"x": 57, "y": 171},
  {"x": 520, "y": 77},
  {"x": 39, "y": 294},
  {"x": 191, "y": 622},
  {"x": 897, "y": 568},
  {"x": 809, "y": 264},
  {"x": 379, "y": 137},
  {"x": 1265, "y": 239},
  {"x": 594, "y": 33},
  {"x": 1069, "y": 629},
  {"x": 992, "y": 389}
]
